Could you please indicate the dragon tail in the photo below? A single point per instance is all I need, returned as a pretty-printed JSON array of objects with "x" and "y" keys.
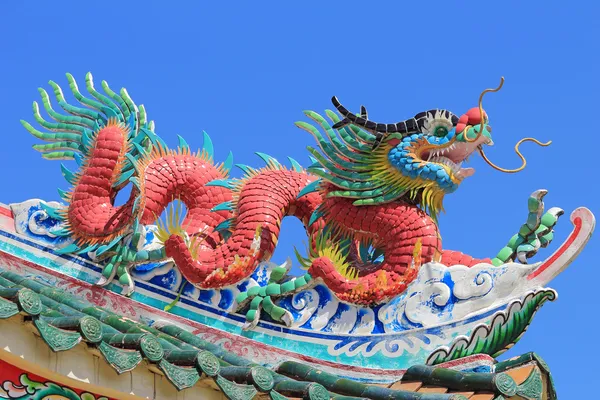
[{"x": 72, "y": 136}]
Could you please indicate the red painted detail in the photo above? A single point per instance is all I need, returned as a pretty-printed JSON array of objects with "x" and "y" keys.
[
  {"x": 6, "y": 212},
  {"x": 471, "y": 117},
  {"x": 474, "y": 116},
  {"x": 577, "y": 222},
  {"x": 14, "y": 379},
  {"x": 450, "y": 257},
  {"x": 394, "y": 142}
]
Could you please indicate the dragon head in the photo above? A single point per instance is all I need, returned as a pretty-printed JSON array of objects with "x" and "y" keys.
[
  {"x": 432, "y": 157},
  {"x": 418, "y": 160}
]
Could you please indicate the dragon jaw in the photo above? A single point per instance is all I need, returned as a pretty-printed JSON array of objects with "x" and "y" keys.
[
  {"x": 429, "y": 164},
  {"x": 451, "y": 156}
]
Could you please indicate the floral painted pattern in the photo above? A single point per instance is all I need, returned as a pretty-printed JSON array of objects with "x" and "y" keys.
[{"x": 18, "y": 384}]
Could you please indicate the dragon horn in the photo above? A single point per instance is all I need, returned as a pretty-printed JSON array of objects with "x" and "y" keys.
[{"x": 403, "y": 127}]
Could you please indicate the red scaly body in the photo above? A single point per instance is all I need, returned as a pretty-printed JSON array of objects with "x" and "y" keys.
[
  {"x": 91, "y": 214},
  {"x": 263, "y": 200},
  {"x": 365, "y": 204}
]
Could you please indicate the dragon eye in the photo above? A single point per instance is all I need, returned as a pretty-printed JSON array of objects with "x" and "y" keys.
[
  {"x": 437, "y": 123},
  {"x": 440, "y": 131}
]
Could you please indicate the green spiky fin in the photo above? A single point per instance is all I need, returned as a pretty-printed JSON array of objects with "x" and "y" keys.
[
  {"x": 55, "y": 126},
  {"x": 51, "y": 211},
  {"x": 51, "y": 137},
  {"x": 344, "y": 183},
  {"x": 134, "y": 117},
  {"x": 104, "y": 248},
  {"x": 225, "y": 206},
  {"x": 305, "y": 262},
  {"x": 68, "y": 175},
  {"x": 101, "y": 106},
  {"x": 87, "y": 249},
  {"x": 111, "y": 104},
  {"x": 136, "y": 182},
  {"x": 111, "y": 109},
  {"x": 141, "y": 138},
  {"x": 332, "y": 143},
  {"x": 183, "y": 145},
  {"x": 317, "y": 214},
  {"x": 207, "y": 145},
  {"x": 346, "y": 134},
  {"x": 70, "y": 249},
  {"x": 226, "y": 183},
  {"x": 79, "y": 159},
  {"x": 247, "y": 170},
  {"x": 336, "y": 170},
  {"x": 132, "y": 161},
  {"x": 224, "y": 226},
  {"x": 124, "y": 177},
  {"x": 296, "y": 165},
  {"x": 143, "y": 117},
  {"x": 228, "y": 163},
  {"x": 270, "y": 161},
  {"x": 154, "y": 138},
  {"x": 314, "y": 163},
  {"x": 87, "y": 140},
  {"x": 62, "y": 232},
  {"x": 310, "y": 188},
  {"x": 141, "y": 151},
  {"x": 71, "y": 135},
  {"x": 330, "y": 151},
  {"x": 345, "y": 158},
  {"x": 63, "y": 194},
  {"x": 225, "y": 234}
]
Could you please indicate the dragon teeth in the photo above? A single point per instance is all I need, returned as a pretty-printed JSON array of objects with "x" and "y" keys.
[
  {"x": 441, "y": 152},
  {"x": 455, "y": 167}
]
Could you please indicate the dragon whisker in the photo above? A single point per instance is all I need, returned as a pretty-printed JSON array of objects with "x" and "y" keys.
[{"x": 524, "y": 161}]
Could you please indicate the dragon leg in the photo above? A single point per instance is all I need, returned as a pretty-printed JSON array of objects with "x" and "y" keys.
[
  {"x": 403, "y": 234},
  {"x": 261, "y": 299},
  {"x": 536, "y": 233}
]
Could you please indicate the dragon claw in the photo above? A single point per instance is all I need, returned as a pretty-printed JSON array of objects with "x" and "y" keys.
[
  {"x": 261, "y": 299},
  {"x": 536, "y": 233},
  {"x": 121, "y": 254}
]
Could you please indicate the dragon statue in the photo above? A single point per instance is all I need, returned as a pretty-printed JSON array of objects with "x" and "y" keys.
[{"x": 369, "y": 201}]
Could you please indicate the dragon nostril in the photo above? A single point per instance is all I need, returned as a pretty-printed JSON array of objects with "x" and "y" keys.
[{"x": 475, "y": 116}]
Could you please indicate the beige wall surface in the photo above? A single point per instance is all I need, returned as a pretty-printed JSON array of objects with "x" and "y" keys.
[{"x": 90, "y": 369}]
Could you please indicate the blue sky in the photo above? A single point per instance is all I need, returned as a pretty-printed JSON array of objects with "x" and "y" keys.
[{"x": 245, "y": 71}]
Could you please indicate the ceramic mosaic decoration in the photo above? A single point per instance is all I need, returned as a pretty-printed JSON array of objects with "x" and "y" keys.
[{"x": 192, "y": 245}]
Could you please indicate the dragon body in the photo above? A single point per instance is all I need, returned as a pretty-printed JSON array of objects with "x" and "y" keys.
[{"x": 369, "y": 201}]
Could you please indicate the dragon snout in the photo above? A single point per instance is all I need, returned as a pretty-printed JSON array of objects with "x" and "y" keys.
[{"x": 472, "y": 118}]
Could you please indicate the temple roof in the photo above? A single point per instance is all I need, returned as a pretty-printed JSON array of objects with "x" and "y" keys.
[{"x": 63, "y": 320}]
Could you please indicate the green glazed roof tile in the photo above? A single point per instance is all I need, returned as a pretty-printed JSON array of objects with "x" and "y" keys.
[
  {"x": 64, "y": 320},
  {"x": 527, "y": 359}
]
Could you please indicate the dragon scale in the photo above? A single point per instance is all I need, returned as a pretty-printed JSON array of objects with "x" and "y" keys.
[{"x": 369, "y": 201}]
